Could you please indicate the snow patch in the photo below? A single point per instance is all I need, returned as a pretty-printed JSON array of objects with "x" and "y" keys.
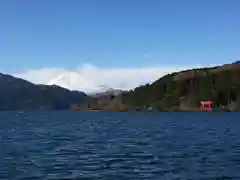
[{"x": 75, "y": 81}]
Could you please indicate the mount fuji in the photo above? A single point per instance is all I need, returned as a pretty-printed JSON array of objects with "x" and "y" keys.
[{"x": 76, "y": 82}]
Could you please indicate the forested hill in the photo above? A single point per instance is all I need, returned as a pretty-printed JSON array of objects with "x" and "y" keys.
[
  {"x": 180, "y": 91},
  {"x": 184, "y": 90},
  {"x": 16, "y": 93}
]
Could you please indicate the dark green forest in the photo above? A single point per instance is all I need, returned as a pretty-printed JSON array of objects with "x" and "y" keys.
[{"x": 185, "y": 90}]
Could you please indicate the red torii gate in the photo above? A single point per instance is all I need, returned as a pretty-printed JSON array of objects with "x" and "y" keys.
[{"x": 206, "y": 105}]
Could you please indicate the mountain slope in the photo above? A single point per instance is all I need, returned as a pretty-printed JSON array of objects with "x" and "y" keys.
[
  {"x": 184, "y": 90},
  {"x": 16, "y": 93},
  {"x": 114, "y": 92},
  {"x": 181, "y": 91}
]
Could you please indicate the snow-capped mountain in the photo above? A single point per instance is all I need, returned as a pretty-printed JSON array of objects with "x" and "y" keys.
[{"x": 75, "y": 81}]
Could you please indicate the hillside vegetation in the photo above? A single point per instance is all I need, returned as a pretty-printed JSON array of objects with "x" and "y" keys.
[
  {"x": 183, "y": 91},
  {"x": 16, "y": 93}
]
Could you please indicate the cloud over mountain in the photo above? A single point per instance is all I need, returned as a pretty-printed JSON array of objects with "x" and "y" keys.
[
  {"x": 91, "y": 79},
  {"x": 74, "y": 81}
]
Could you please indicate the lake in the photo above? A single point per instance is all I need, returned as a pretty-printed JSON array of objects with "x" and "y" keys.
[{"x": 122, "y": 146}]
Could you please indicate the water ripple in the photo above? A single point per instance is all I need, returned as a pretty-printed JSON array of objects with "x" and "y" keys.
[{"x": 68, "y": 145}]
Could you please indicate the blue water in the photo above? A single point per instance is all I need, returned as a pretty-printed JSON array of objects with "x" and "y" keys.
[{"x": 109, "y": 146}]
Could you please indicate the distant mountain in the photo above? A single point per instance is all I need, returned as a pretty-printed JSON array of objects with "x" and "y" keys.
[
  {"x": 16, "y": 93},
  {"x": 110, "y": 91},
  {"x": 74, "y": 81}
]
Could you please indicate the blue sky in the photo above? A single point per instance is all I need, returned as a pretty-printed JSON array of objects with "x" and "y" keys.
[{"x": 117, "y": 34}]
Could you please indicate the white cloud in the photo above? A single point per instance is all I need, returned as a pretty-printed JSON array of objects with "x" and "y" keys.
[
  {"x": 88, "y": 78},
  {"x": 40, "y": 76}
]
